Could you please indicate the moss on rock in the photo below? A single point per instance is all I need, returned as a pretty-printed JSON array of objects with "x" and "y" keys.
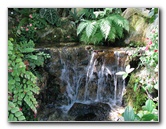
[{"x": 134, "y": 98}]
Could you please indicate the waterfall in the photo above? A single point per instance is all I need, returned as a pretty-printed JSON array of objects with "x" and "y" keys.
[{"x": 95, "y": 81}]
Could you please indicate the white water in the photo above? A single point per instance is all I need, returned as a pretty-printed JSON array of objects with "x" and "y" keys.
[{"x": 97, "y": 82}]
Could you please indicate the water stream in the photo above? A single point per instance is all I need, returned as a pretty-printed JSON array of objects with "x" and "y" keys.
[{"x": 95, "y": 82}]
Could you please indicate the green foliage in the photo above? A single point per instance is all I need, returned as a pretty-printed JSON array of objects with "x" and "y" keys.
[
  {"x": 108, "y": 27},
  {"x": 50, "y": 14},
  {"x": 148, "y": 113},
  {"x": 135, "y": 95},
  {"x": 149, "y": 85},
  {"x": 153, "y": 14},
  {"x": 136, "y": 44},
  {"x": 87, "y": 13},
  {"x": 27, "y": 24},
  {"x": 21, "y": 81},
  {"x": 129, "y": 114}
]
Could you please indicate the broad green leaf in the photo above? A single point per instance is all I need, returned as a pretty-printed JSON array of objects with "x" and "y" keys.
[
  {"x": 149, "y": 105},
  {"x": 148, "y": 117},
  {"x": 11, "y": 104},
  {"x": 19, "y": 113},
  {"x": 129, "y": 114},
  {"x": 18, "y": 60},
  {"x": 11, "y": 81},
  {"x": 17, "y": 78},
  {"x": 15, "y": 119},
  {"x": 33, "y": 57},
  {"x": 11, "y": 117},
  {"x": 15, "y": 109},
  {"x": 27, "y": 50},
  {"x": 21, "y": 118}
]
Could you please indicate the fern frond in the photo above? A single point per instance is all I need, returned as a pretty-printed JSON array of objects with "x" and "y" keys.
[
  {"x": 105, "y": 27},
  {"x": 90, "y": 28},
  {"x": 120, "y": 21},
  {"x": 118, "y": 30},
  {"x": 96, "y": 38},
  {"x": 81, "y": 27},
  {"x": 126, "y": 25},
  {"x": 84, "y": 38},
  {"x": 112, "y": 34}
]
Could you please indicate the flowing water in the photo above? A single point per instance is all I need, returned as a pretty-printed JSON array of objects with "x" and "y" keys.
[{"x": 94, "y": 82}]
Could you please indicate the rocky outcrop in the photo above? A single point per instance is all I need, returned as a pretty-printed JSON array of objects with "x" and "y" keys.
[
  {"x": 139, "y": 25},
  {"x": 90, "y": 112},
  {"x": 80, "y": 74}
]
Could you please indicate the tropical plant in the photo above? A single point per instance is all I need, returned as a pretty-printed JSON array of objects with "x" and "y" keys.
[
  {"x": 50, "y": 14},
  {"x": 148, "y": 113},
  {"x": 22, "y": 83},
  {"x": 106, "y": 27},
  {"x": 149, "y": 63}
]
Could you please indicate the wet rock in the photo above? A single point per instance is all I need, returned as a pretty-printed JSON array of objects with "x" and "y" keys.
[{"x": 90, "y": 112}]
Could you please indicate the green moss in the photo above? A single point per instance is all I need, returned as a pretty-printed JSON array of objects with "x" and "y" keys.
[
  {"x": 136, "y": 98},
  {"x": 136, "y": 44}
]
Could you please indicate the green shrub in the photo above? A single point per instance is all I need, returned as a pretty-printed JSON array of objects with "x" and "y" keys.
[
  {"x": 22, "y": 85},
  {"x": 146, "y": 89}
]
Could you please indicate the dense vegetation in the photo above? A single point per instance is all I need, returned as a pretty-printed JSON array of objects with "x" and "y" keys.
[
  {"x": 145, "y": 88},
  {"x": 106, "y": 25},
  {"x": 96, "y": 26}
]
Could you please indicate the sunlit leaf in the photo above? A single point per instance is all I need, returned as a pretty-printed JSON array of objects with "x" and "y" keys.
[
  {"x": 149, "y": 105},
  {"x": 129, "y": 114},
  {"x": 15, "y": 109},
  {"x": 120, "y": 73},
  {"x": 148, "y": 117}
]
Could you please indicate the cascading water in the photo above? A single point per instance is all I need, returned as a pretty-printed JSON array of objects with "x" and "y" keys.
[{"x": 96, "y": 81}]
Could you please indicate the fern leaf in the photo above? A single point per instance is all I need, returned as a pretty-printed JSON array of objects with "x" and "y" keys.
[
  {"x": 90, "y": 28},
  {"x": 96, "y": 38},
  {"x": 84, "y": 38},
  {"x": 112, "y": 34},
  {"x": 120, "y": 21},
  {"x": 105, "y": 27},
  {"x": 118, "y": 29},
  {"x": 81, "y": 26},
  {"x": 126, "y": 25}
]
